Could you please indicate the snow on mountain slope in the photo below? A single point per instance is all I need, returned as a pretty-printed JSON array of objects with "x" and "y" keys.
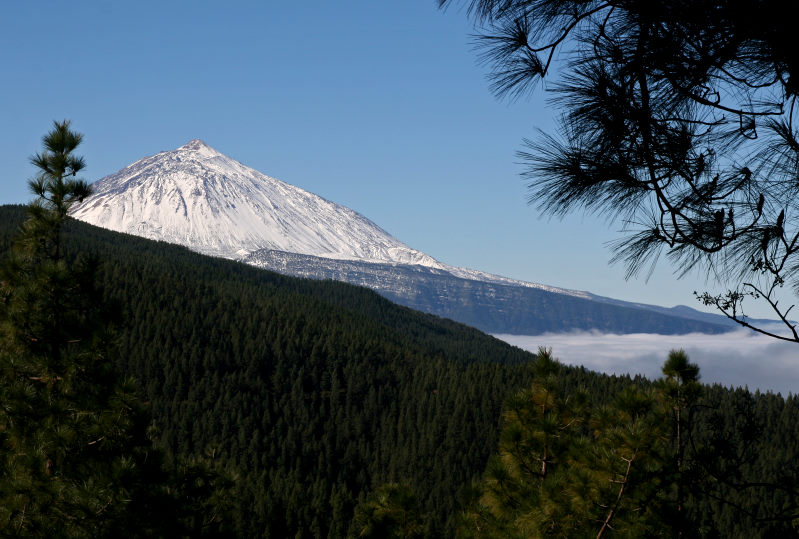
[
  {"x": 200, "y": 198},
  {"x": 197, "y": 197}
]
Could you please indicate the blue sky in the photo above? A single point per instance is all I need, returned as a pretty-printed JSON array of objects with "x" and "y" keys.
[{"x": 377, "y": 105}]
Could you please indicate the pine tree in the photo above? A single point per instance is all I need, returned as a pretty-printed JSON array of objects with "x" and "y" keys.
[
  {"x": 677, "y": 119},
  {"x": 392, "y": 511},
  {"x": 75, "y": 460},
  {"x": 680, "y": 388},
  {"x": 567, "y": 467},
  {"x": 522, "y": 490}
]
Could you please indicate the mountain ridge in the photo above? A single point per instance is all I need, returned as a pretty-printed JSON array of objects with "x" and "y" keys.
[
  {"x": 197, "y": 197},
  {"x": 493, "y": 307}
]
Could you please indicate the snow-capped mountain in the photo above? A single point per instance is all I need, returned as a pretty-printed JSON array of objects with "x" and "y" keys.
[{"x": 197, "y": 197}]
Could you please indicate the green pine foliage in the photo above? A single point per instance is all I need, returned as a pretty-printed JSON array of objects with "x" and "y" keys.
[
  {"x": 76, "y": 459},
  {"x": 654, "y": 460},
  {"x": 74, "y": 451},
  {"x": 567, "y": 467},
  {"x": 391, "y": 511},
  {"x": 314, "y": 394}
]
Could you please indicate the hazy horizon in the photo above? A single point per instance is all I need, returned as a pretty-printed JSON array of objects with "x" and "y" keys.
[{"x": 740, "y": 358}]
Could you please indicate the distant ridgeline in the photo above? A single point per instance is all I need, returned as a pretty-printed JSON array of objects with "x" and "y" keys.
[
  {"x": 318, "y": 392},
  {"x": 494, "y": 307},
  {"x": 200, "y": 198}
]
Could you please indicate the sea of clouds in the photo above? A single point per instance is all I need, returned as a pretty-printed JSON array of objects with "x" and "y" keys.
[{"x": 738, "y": 359}]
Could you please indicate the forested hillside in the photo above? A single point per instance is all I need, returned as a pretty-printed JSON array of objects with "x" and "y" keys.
[{"x": 315, "y": 393}]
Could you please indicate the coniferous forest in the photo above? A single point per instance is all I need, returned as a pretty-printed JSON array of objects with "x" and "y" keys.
[{"x": 322, "y": 403}]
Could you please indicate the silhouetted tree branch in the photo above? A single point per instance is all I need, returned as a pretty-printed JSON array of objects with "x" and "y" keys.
[{"x": 677, "y": 122}]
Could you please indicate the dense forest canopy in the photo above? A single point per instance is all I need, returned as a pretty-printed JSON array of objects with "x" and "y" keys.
[{"x": 314, "y": 394}]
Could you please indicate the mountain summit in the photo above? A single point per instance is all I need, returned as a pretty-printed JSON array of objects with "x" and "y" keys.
[{"x": 198, "y": 197}]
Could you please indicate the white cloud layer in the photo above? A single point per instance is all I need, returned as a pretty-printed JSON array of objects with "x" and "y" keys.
[{"x": 738, "y": 359}]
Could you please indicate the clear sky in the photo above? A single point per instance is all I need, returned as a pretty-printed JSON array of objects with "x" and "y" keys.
[{"x": 376, "y": 105}]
